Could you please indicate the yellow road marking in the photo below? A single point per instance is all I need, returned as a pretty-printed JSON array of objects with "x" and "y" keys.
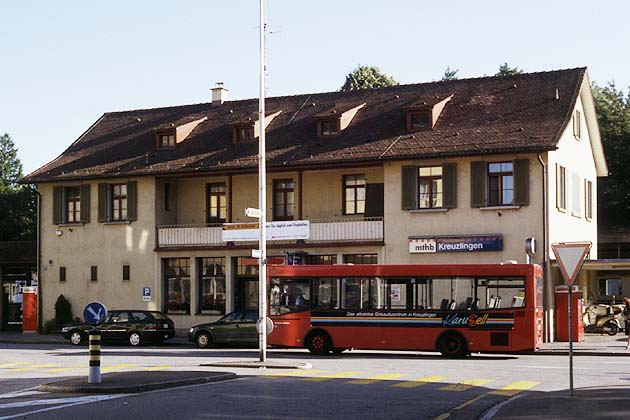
[
  {"x": 467, "y": 403},
  {"x": 465, "y": 385},
  {"x": 8, "y": 365},
  {"x": 298, "y": 372},
  {"x": 385, "y": 377},
  {"x": 115, "y": 367},
  {"x": 514, "y": 388},
  {"x": 33, "y": 367},
  {"x": 64, "y": 369},
  {"x": 443, "y": 416},
  {"x": 332, "y": 376},
  {"x": 419, "y": 382},
  {"x": 159, "y": 368}
]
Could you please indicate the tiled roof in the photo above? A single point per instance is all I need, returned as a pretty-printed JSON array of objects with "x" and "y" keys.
[{"x": 518, "y": 113}]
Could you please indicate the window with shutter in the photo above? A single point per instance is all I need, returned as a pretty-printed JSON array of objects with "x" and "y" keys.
[
  {"x": 521, "y": 182},
  {"x": 478, "y": 184},
  {"x": 409, "y": 187},
  {"x": 117, "y": 202}
]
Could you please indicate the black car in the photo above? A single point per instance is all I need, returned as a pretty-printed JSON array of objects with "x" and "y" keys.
[
  {"x": 134, "y": 326},
  {"x": 238, "y": 327}
]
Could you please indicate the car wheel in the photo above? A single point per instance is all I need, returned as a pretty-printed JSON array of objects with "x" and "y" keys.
[
  {"x": 76, "y": 338},
  {"x": 135, "y": 339},
  {"x": 319, "y": 343},
  {"x": 610, "y": 328},
  {"x": 452, "y": 344},
  {"x": 203, "y": 340}
]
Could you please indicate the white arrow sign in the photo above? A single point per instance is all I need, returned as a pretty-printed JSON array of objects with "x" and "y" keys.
[
  {"x": 570, "y": 257},
  {"x": 252, "y": 212}
]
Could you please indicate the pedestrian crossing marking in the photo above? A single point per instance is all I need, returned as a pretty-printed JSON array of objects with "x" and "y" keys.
[
  {"x": 514, "y": 388},
  {"x": 65, "y": 369},
  {"x": 385, "y": 377},
  {"x": 33, "y": 367},
  {"x": 154, "y": 368},
  {"x": 116, "y": 367},
  {"x": 419, "y": 382},
  {"x": 339, "y": 375},
  {"x": 466, "y": 385},
  {"x": 298, "y": 372},
  {"x": 8, "y": 365}
]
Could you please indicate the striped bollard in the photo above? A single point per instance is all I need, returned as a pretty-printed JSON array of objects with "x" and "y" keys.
[{"x": 95, "y": 357}]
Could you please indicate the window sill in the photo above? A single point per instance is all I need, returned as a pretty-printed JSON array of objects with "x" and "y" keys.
[
  {"x": 576, "y": 215},
  {"x": 433, "y": 210},
  {"x": 561, "y": 210},
  {"x": 492, "y": 208},
  {"x": 73, "y": 224},
  {"x": 118, "y": 222}
]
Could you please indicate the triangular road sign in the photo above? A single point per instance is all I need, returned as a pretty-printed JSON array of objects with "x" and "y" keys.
[{"x": 570, "y": 257}]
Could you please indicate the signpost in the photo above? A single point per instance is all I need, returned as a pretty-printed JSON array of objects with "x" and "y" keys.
[
  {"x": 570, "y": 257},
  {"x": 146, "y": 294},
  {"x": 94, "y": 314}
]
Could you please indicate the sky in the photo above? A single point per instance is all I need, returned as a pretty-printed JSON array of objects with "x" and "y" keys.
[{"x": 64, "y": 64}]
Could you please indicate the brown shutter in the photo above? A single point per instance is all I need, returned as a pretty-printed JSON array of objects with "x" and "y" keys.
[
  {"x": 478, "y": 184},
  {"x": 57, "y": 205},
  {"x": 374, "y": 200},
  {"x": 521, "y": 182},
  {"x": 449, "y": 185},
  {"x": 102, "y": 202},
  {"x": 409, "y": 187},
  {"x": 132, "y": 200},
  {"x": 85, "y": 203}
]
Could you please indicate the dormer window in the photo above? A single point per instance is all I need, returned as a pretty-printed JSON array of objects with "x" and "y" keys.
[
  {"x": 418, "y": 120},
  {"x": 329, "y": 127},
  {"x": 244, "y": 134},
  {"x": 166, "y": 140},
  {"x": 423, "y": 114},
  {"x": 334, "y": 121}
]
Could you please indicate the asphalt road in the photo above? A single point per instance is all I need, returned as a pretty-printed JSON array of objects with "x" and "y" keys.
[{"x": 356, "y": 385}]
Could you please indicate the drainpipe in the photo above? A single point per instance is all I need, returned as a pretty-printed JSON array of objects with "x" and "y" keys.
[
  {"x": 39, "y": 263},
  {"x": 548, "y": 301}
]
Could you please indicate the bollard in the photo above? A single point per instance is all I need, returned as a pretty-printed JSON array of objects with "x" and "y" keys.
[{"x": 95, "y": 357}]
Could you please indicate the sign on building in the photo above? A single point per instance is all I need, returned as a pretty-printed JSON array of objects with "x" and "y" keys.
[
  {"x": 276, "y": 231},
  {"x": 455, "y": 243},
  {"x": 146, "y": 294}
]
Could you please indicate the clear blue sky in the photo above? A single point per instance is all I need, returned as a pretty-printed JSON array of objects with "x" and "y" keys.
[{"x": 64, "y": 63}]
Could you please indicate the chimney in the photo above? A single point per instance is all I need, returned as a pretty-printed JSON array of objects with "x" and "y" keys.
[{"x": 219, "y": 94}]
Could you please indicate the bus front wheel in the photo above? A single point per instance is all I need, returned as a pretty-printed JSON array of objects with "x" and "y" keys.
[
  {"x": 452, "y": 344},
  {"x": 319, "y": 343}
]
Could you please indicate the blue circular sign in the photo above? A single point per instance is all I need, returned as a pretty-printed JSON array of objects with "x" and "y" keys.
[{"x": 95, "y": 313}]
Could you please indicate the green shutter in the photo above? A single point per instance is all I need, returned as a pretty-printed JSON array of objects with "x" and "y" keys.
[
  {"x": 132, "y": 200},
  {"x": 85, "y": 203},
  {"x": 521, "y": 182},
  {"x": 374, "y": 200},
  {"x": 478, "y": 184},
  {"x": 102, "y": 202},
  {"x": 57, "y": 205},
  {"x": 409, "y": 187},
  {"x": 449, "y": 185}
]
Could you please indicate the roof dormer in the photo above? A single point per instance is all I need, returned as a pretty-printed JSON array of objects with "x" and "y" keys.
[
  {"x": 424, "y": 113},
  {"x": 170, "y": 136},
  {"x": 333, "y": 121},
  {"x": 248, "y": 129}
]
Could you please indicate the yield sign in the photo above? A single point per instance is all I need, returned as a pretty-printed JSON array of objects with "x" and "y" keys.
[{"x": 570, "y": 257}]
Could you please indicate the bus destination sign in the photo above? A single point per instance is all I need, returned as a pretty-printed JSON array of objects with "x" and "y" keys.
[{"x": 468, "y": 243}]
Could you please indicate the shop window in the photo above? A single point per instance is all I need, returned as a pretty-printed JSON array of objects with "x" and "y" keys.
[
  {"x": 360, "y": 259},
  {"x": 211, "y": 286},
  {"x": 177, "y": 285},
  {"x": 321, "y": 259}
]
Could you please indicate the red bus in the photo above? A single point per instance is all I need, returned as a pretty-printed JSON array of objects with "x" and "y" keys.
[{"x": 455, "y": 309}]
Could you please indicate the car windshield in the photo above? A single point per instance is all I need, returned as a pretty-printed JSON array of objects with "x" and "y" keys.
[
  {"x": 158, "y": 315},
  {"x": 233, "y": 316}
]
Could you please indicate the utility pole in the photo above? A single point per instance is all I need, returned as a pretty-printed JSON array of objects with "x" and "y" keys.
[{"x": 262, "y": 199}]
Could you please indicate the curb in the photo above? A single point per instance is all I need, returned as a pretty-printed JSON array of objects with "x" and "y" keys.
[{"x": 133, "y": 389}]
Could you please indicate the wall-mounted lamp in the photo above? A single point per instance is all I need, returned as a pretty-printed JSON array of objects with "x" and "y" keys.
[{"x": 59, "y": 232}]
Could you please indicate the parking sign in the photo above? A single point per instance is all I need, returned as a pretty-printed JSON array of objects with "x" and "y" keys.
[{"x": 146, "y": 294}]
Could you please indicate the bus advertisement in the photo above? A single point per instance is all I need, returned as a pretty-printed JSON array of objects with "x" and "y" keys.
[{"x": 454, "y": 309}]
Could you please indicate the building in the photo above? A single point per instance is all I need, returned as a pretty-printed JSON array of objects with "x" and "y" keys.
[
  {"x": 444, "y": 172},
  {"x": 18, "y": 268}
]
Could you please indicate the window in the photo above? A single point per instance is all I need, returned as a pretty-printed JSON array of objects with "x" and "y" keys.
[
  {"x": 177, "y": 285},
  {"x": 248, "y": 270},
  {"x": 418, "y": 120},
  {"x": 577, "y": 124},
  {"x": 576, "y": 196},
  {"x": 561, "y": 187},
  {"x": 126, "y": 272},
  {"x": 610, "y": 287},
  {"x": 360, "y": 259},
  {"x": 289, "y": 296},
  {"x": 62, "y": 274},
  {"x": 216, "y": 201},
  {"x": 73, "y": 204},
  {"x": 283, "y": 199},
  {"x": 430, "y": 187},
  {"x": 117, "y": 202},
  {"x": 212, "y": 285},
  {"x": 166, "y": 140},
  {"x": 588, "y": 199},
  {"x": 329, "y": 127},
  {"x": 244, "y": 134},
  {"x": 354, "y": 194},
  {"x": 321, "y": 259},
  {"x": 93, "y": 273},
  {"x": 500, "y": 184}
]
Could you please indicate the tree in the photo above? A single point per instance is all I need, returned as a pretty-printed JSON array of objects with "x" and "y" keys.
[
  {"x": 506, "y": 70},
  {"x": 10, "y": 165},
  {"x": 367, "y": 77},
  {"x": 613, "y": 115},
  {"x": 450, "y": 74}
]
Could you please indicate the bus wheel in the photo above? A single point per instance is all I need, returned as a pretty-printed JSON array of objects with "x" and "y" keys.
[
  {"x": 319, "y": 343},
  {"x": 452, "y": 344}
]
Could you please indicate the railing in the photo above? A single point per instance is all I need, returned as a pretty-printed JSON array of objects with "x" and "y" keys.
[{"x": 369, "y": 229}]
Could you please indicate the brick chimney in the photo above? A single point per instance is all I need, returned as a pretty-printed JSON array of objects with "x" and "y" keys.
[{"x": 219, "y": 94}]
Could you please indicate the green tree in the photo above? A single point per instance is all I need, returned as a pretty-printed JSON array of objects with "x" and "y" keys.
[
  {"x": 367, "y": 77},
  {"x": 450, "y": 74},
  {"x": 506, "y": 70},
  {"x": 10, "y": 165},
  {"x": 613, "y": 115}
]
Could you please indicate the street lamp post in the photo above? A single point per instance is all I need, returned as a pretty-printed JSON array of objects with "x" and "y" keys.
[{"x": 262, "y": 199}]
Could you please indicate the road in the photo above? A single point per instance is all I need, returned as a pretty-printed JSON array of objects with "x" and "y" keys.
[{"x": 355, "y": 385}]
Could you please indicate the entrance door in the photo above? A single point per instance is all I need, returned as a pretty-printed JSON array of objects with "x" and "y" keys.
[{"x": 245, "y": 284}]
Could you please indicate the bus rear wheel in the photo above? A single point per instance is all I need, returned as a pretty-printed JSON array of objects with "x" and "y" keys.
[
  {"x": 452, "y": 345},
  {"x": 319, "y": 343}
]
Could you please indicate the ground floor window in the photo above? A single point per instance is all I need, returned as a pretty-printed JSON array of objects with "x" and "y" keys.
[
  {"x": 177, "y": 285},
  {"x": 360, "y": 259},
  {"x": 211, "y": 285},
  {"x": 321, "y": 259}
]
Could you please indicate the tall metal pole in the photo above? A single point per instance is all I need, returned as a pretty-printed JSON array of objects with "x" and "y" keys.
[
  {"x": 262, "y": 198},
  {"x": 571, "y": 340}
]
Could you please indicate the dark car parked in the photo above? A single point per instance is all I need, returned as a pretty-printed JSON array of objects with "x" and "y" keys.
[
  {"x": 134, "y": 326},
  {"x": 238, "y": 327}
]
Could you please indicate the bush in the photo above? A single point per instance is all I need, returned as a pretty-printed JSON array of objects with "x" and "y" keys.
[
  {"x": 51, "y": 327},
  {"x": 63, "y": 311}
]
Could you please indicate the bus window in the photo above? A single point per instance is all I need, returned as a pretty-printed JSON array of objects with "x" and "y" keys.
[
  {"x": 325, "y": 294},
  {"x": 289, "y": 296},
  {"x": 422, "y": 294},
  {"x": 379, "y": 293},
  {"x": 355, "y": 293},
  {"x": 501, "y": 293},
  {"x": 453, "y": 293}
]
